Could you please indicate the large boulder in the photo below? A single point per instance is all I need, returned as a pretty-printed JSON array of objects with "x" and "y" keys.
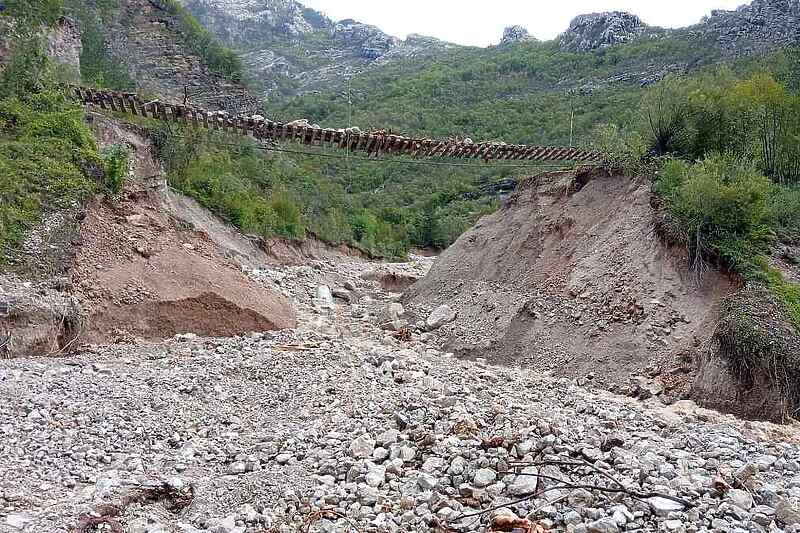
[
  {"x": 516, "y": 34},
  {"x": 601, "y": 30},
  {"x": 390, "y": 317},
  {"x": 439, "y": 317}
]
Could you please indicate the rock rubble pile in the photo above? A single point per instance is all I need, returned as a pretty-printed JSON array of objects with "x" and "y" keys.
[{"x": 340, "y": 426}]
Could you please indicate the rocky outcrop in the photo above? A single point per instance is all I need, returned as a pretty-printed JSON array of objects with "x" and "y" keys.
[
  {"x": 753, "y": 28},
  {"x": 64, "y": 44},
  {"x": 371, "y": 42},
  {"x": 146, "y": 38},
  {"x": 241, "y": 23},
  {"x": 516, "y": 34},
  {"x": 760, "y": 26},
  {"x": 601, "y": 30},
  {"x": 292, "y": 49}
]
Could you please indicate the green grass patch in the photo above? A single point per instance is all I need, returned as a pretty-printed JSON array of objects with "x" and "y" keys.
[
  {"x": 48, "y": 157},
  {"x": 34, "y": 12},
  {"x": 115, "y": 164},
  {"x": 786, "y": 292}
]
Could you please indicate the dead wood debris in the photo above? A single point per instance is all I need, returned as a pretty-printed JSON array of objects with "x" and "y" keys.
[{"x": 173, "y": 499}]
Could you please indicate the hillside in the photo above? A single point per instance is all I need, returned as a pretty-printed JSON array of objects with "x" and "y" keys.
[
  {"x": 575, "y": 283},
  {"x": 94, "y": 247},
  {"x": 523, "y": 91},
  {"x": 540, "y": 92},
  {"x": 290, "y": 49},
  {"x": 157, "y": 48}
]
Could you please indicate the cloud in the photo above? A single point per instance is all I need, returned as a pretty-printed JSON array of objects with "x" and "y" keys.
[{"x": 481, "y": 22}]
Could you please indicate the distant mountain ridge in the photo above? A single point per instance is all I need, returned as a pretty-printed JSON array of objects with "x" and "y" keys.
[
  {"x": 757, "y": 27},
  {"x": 294, "y": 49},
  {"x": 290, "y": 49}
]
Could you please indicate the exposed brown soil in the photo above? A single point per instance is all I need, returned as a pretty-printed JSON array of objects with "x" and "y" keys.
[
  {"x": 143, "y": 270},
  {"x": 288, "y": 252},
  {"x": 208, "y": 313},
  {"x": 576, "y": 283},
  {"x": 36, "y": 319},
  {"x": 754, "y": 366},
  {"x": 391, "y": 280}
]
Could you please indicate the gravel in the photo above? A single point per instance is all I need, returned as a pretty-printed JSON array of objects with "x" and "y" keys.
[{"x": 340, "y": 426}]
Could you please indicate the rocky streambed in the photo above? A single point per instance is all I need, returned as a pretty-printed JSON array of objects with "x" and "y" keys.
[{"x": 342, "y": 425}]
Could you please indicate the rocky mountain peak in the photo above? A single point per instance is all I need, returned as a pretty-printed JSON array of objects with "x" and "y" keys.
[
  {"x": 295, "y": 49},
  {"x": 285, "y": 17},
  {"x": 372, "y": 42},
  {"x": 594, "y": 31},
  {"x": 516, "y": 34},
  {"x": 761, "y": 25}
]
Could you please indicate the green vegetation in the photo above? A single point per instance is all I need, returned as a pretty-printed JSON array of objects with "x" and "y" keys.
[
  {"x": 762, "y": 350},
  {"x": 98, "y": 67},
  {"x": 497, "y": 93},
  {"x": 755, "y": 117},
  {"x": 34, "y": 12},
  {"x": 721, "y": 206},
  {"x": 739, "y": 197},
  {"x": 46, "y": 151},
  {"x": 787, "y": 293},
  {"x": 115, "y": 166},
  {"x": 369, "y": 205}
]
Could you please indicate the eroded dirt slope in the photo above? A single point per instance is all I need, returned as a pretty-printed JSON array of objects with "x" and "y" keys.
[
  {"x": 142, "y": 270},
  {"x": 576, "y": 283}
]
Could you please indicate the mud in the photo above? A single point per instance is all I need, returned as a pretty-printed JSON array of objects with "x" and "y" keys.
[
  {"x": 153, "y": 263},
  {"x": 573, "y": 280}
]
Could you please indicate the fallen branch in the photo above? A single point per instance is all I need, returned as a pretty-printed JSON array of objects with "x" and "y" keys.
[
  {"x": 562, "y": 484},
  {"x": 316, "y": 516},
  {"x": 622, "y": 490},
  {"x": 109, "y": 514}
]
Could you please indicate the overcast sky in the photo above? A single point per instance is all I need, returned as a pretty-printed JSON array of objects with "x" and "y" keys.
[{"x": 481, "y": 22}]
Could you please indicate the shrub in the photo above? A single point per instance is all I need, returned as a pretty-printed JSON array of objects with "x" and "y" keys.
[
  {"x": 46, "y": 150},
  {"x": 784, "y": 204},
  {"x": 115, "y": 166},
  {"x": 625, "y": 152},
  {"x": 28, "y": 71},
  {"x": 34, "y": 12},
  {"x": 721, "y": 206},
  {"x": 665, "y": 111}
]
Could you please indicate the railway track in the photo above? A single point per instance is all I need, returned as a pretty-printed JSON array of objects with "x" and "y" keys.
[{"x": 375, "y": 144}]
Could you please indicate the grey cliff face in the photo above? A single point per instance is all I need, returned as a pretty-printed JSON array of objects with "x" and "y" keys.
[
  {"x": 516, "y": 34},
  {"x": 294, "y": 50},
  {"x": 371, "y": 41},
  {"x": 761, "y": 26},
  {"x": 287, "y": 44},
  {"x": 600, "y": 30}
]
